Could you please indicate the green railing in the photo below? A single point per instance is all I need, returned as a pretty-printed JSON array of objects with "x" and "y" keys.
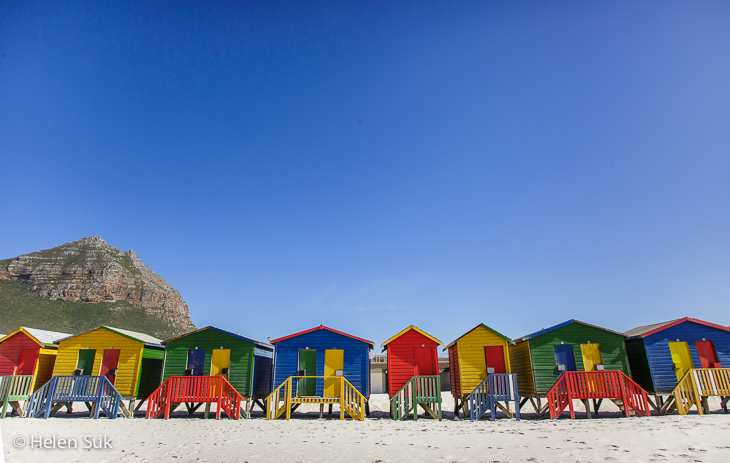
[
  {"x": 13, "y": 389},
  {"x": 419, "y": 390}
]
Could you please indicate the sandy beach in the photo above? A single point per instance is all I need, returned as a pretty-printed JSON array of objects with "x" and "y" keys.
[{"x": 610, "y": 438}]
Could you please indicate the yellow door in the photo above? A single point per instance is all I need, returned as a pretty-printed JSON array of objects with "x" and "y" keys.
[
  {"x": 681, "y": 358},
  {"x": 220, "y": 359},
  {"x": 591, "y": 356},
  {"x": 334, "y": 364}
]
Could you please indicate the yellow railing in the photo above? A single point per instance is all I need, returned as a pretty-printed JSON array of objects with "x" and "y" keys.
[
  {"x": 282, "y": 399},
  {"x": 698, "y": 383}
]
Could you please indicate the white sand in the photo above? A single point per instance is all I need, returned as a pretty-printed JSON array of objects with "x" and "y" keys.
[{"x": 612, "y": 438}]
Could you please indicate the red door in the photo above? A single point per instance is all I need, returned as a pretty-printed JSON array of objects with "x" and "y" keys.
[
  {"x": 494, "y": 356},
  {"x": 707, "y": 354},
  {"x": 425, "y": 362},
  {"x": 109, "y": 364},
  {"x": 27, "y": 359}
]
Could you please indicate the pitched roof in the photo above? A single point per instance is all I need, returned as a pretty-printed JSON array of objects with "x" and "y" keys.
[
  {"x": 643, "y": 331},
  {"x": 322, "y": 327},
  {"x": 43, "y": 337},
  {"x": 141, "y": 337},
  {"x": 560, "y": 325},
  {"x": 414, "y": 328},
  {"x": 486, "y": 328},
  {"x": 265, "y": 345}
]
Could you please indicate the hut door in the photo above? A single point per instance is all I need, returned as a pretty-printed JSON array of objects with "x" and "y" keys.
[
  {"x": 220, "y": 360},
  {"x": 425, "y": 362},
  {"x": 591, "y": 356},
  {"x": 85, "y": 362},
  {"x": 196, "y": 360},
  {"x": 707, "y": 354},
  {"x": 27, "y": 359},
  {"x": 334, "y": 365},
  {"x": 307, "y": 387},
  {"x": 681, "y": 358},
  {"x": 564, "y": 356},
  {"x": 109, "y": 363},
  {"x": 494, "y": 357}
]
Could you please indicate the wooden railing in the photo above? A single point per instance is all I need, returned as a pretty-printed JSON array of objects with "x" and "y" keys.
[
  {"x": 13, "y": 389},
  {"x": 282, "y": 399},
  {"x": 496, "y": 387},
  {"x": 596, "y": 385},
  {"x": 195, "y": 389},
  {"x": 60, "y": 390},
  {"x": 419, "y": 390},
  {"x": 699, "y": 383}
]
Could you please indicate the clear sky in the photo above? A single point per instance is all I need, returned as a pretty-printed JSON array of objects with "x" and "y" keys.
[{"x": 368, "y": 166}]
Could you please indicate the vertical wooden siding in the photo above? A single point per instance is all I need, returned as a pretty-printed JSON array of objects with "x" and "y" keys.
[
  {"x": 521, "y": 364},
  {"x": 472, "y": 358},
  {"x": 402, "y": 358},
  {"x": 263, "y": 369},
  {"x": 613, "y": 352},
  {"x": 130, "y": 356},
  {"x": 660, "y": 360},
  {"x": 357, "y": 357},
  {"x": 240, "y": 373}
]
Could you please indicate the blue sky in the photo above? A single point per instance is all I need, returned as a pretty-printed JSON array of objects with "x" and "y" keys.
[{"x": 369, "y": 166}]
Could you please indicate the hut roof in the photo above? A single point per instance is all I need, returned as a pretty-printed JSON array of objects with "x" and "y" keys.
[
  {"x": 414, "y": 328},
  {"x": 322, "y": 327},
  {"x": 265, "y": 345},
  {"x": 486, "y": 328},
  {"x": 42, "y": 337},
  {"x": 560, "y": 325},
  {"x": 141, "y": 337},
  {"x": 643, "y": 331}
]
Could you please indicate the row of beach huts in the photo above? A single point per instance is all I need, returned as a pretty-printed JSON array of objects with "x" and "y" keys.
[{"x": 667, "y": 367}]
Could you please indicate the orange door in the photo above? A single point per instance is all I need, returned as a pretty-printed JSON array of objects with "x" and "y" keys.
[{"x": 109, "y": 364}]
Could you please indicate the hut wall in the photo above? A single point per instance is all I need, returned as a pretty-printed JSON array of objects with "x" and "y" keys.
[
  {"x": 613, "y": 352},
  {"x": 44, "y": 368},
  {"x": 240, "y": 373},
  {"x": 640, "y": 370},
  {"x": 521, "y": 364},
  {"x": 454, "y": 372},
  {"x": 130, "y": 356},
  {"x": 150, "y": 371},
  {"x": 660, "y": 359},
  {"x": 10, "y": 350},
  {"x": 356, "y": 358},
  {"x": 472, "y": 358},
  {"x": 402, "y": 358},
  {"x": 262, "y": 371}
]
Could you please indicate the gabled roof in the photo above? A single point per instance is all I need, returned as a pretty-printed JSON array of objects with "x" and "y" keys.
[
  {"x": 552, "y": 328},
  {"x": 486, "y": 328},
  {"x": 414, "y": 328},
  {"x": 42, "y": 337},
  {"x": 265, "y": 345},
  {"x": 141, "y": 337},
  {"x": 643, "y": 331},
  {"x": 322, "y": 327}
]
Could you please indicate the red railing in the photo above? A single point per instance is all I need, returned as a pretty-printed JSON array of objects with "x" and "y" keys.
[
  {"x": 195, "y": 389},
  {"x": 596, "y": 385}
]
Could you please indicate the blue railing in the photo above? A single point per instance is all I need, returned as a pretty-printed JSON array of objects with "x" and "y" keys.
[
  {"x": 497, "y": 387},
  {"x": 97, "y": 390}
]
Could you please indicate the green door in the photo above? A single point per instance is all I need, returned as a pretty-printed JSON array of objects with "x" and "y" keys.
[
  {"x": 86, "y": 361},
  {"x": 308, "y": 366}
]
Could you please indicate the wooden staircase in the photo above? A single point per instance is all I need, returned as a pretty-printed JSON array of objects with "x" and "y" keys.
[
  {"x": 97, "y": 392},
  {"x": 423, "y": 391},
  {"x": 496, "y": 388},
  {"x": 284, "y": 399},
  {"x": 697, "y": 385},
  {"x": 596, "y": 386},
  {"x": 194, "y": 391},
  {"x": 13, "y": 389}
]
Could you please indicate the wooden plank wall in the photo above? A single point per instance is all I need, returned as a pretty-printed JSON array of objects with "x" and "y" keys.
[
  {"x": 454, "y": 373},
  {"x": 402, "y": 358},
  {"x": 640, "y": 370},
  {"x": 521, "y": 364},
  {"x": 472, "y": 357},
  {"x": 10, "y": 349},
  {"x": 44, "y": 368}
]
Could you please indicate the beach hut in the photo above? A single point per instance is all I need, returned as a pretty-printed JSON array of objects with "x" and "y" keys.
[
  {"x": 479, "y": 361},
  {"x": 413, "y": 373},
  {"x": 681, "y": 362},
  {"x": 575, "y": 360},
  {"x": 321, "y": 366},
  {"x": 131, "y": 361},
  {"x": 202, "y": 355}
]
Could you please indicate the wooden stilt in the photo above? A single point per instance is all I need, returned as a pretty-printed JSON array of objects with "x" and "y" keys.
[
  {"x": 321, "y": 411},
  {"x": 207, "y": 410},
  {"x": 587, "y": 405}
]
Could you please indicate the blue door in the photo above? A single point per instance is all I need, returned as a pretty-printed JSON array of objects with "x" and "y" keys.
[
  {"x": 196, "y": 360},
  {"x": 564, "y": 356}
]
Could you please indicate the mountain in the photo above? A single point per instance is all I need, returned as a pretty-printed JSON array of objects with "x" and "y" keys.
[{"x": 86, "y": 283}]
